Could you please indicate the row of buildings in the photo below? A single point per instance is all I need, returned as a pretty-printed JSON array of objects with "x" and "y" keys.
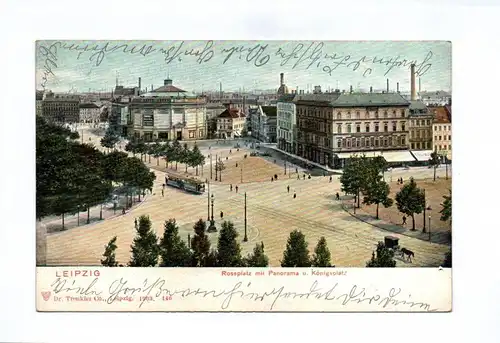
[{"x": 323, "y": 127}]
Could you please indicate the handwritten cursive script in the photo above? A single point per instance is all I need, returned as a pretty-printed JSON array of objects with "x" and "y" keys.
[
  {"x": 50, "y": 58},
  {"x": 327, "y": 291}
]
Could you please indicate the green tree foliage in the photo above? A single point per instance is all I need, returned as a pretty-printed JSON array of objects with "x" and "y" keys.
[
  {"x": 446, "y": 208},
  {"x": 173, "y": 250},
  {"x": 197, "y": 158},
  {"x": 145, "y": 248},
  {"x": 434, "y": 162},
  {"x": 358, "y": 173},
  {"x": 296, "y": 253},
  {"x": 110, "y": 139},
  {"x": 258, "y": 258},
  {"x": 410, "y": 200},
  {"x": 384, "y": 258},
  {"x": 109, "y": 254},
  {"x": 185, "y": 156},
  {"x": 322, "y": 256},
  {"x": 228, "y": 249},
  {"x": 447, "y": 260},
  {"x": 156, "y": 151},
  {"x": 200, "y": 244},
  {"x": 378, "y": 193},
  {"x": 176, "y": 152}
]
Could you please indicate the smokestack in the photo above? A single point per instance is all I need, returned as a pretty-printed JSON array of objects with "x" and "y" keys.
[
  {"x": 387, "y": 85},
  {"x": 220, "y": 86},
  {"x": 139, "y": 85},
  {"x": 371, "y": 89},
  {"x": 152, "y": 87},
  {"x": 351, "y": 89},
  {"x": 397, "y": 87},
  {"x": 282, "y": 79},
  {"x": 412, "y": 81},
  {"x": 419, "y": 85}
]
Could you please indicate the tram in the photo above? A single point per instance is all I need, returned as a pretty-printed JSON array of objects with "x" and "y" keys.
[{"x": 187, "y": 184}]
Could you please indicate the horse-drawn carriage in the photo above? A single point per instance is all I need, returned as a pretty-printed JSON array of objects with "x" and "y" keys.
[{"x": 392, "y": 243}]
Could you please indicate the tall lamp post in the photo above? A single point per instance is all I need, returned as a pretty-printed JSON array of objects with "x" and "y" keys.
[
  {"x": 208, "y": 202},
  {"x": 425, "y": 203},
  {"x": 429, "y": 228},
  {"x": 245, "y": 239},
  {"x": 216, "y": 167},
  {"x": 210, "y": 166},
  {"x": 220, "y": 169},
  {"x": 212, "y": 227},
  {"x": 285, "y": 167}
]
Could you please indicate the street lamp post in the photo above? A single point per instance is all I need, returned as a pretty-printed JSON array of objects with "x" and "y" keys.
[
  {"x": 354, "y": 205},
  {"x": 220, "y": 169},
  {"x": 208, "y": 201},
  {"x": 285, "y": 167},
  {"x": 210, "y": 166},
  {"x": 216, "y": 167},
  {"x": 423, "y": 230},
  {"x": 245, "y": 239},
  {"x": 212, "y": 227},
  {"x": 429, "y": 228}
]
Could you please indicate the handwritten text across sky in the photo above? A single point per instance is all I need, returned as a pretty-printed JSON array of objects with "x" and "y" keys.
[{"x": 201, "y": 65}]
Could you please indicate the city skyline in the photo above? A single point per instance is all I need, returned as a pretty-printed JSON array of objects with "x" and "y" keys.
[{"x": 197, "y": 66}]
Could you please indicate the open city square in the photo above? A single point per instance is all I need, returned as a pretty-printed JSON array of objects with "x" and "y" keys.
[{"x": 334, "y": 173}]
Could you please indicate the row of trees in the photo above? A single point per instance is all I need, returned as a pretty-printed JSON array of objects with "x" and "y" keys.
[
  {"x": 73, "y": 177},
  {"x": 170, "y": 151},
  {"x": 364, "y": 176},
  {"x": 170, "y": 250}
]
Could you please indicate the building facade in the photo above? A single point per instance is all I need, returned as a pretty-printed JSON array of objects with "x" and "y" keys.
[
  {"x": 63, "y": 108},
  {"x": 90, "y": 113},
  {"x": 39, "y": 101},
  {"x": 420, "y": 121},
  {"x": 230, "y": 123},
  {"x": 263, "y": 123},
  {"x": 333, "y": 123},
  {"x": 286, "y": 123},
  {"x": 441, "y": 131},
  {"x": 167, "y": 113}
]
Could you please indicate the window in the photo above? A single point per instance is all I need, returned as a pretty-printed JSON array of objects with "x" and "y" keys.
[
  {"x": 358, "y": 128},
  {"x": 411, "y": 134},
  {"x": 449, "y": 138},
  {"x": 376, "y": 142},
  {"x": 403, "y": 140},
  {"x": 418, "y": 134},
  {"x": 449, "y": 147},
  {"x": 428, "y": 122},
  {"x": 372, "y": 141},
  {"x": 343, "y": 143},
  {"x": 390, "y": 140},
  {"x": 402, "y": 126},
  {"x": 386, "y": 128},
  {"x": 376, "y": 127},
  {"x": 439, "y": 137},
  {"x": 440, "y": 128},
  {"x": 339, "y": 143},
  {"x": 440, "y": 147},
  {"x": 367, "y": 128},
  {"x": 376, "y": 114},
  {"x": 385, "y": 114},
  {"x": 394, "y": 113},
  {"x": 339, "y": 116},
  {"x": 435, "y": 138},
  {"x": 413, "y": 145},
  {"x": 358, "y": 115},
  {"x": 385, "y": 141},
  {"x": 348, "y": 143},
  {"x": 192, "y": 134},
  {"x": 362, "y": 142},
  {"x": 403, "y": 114},
  {"x": 394, "y": 126},
  {"x": 449, "y": 127},
  {"x": 445, "y": 147},
  {"x": 339, "y": 128},
  {"x": 367, "y": 141},
  {"x": 348, "y": 115},
  {"x": 349, "y": 128}
]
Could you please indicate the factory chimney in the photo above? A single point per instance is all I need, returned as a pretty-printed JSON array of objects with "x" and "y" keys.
[
  {"x": 419, "y": 85},
  {"x": 387, "y": 85},
  {"x": 371, "y": 89},
  {"x": 412, "y": 83},
  {"x": 139, "y": 85},
  {"x": 397, "y": 87},
  {"x": 351, "y": 89},
  {"x": 282, "y": 79}
]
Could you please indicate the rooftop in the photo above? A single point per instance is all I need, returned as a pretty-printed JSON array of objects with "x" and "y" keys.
[
  {"x": 370, "y": 99},
  {"x": 89, "y": 105},
  {"x": 270, "y": 111},
  {"x": 231, "y": 113},
  {"x": 442, "y": 115}
]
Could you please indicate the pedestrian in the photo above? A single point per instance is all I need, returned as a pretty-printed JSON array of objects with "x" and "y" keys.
[
  {"x": 274, "y": 161},
  {"x": 309, "y": 177},
  {"x": 324, "y": 174},
  {"x": 236, "y": 164},
  {"x": 304, "y": 176},
  {"x": 221, "y": 214},
  {"x": 236, "y": 188},
  {"x": 163, "y": 192},
  {"x": 288, "y": 188},
  {"x": 402, "y": 181},
  {"x": 226, "y": 158},
  {"x": 337, "y": 196},
  {"x": 272, "y": 179},
  {"x": 230, "y": 187},
  {"x": 230, "y": 151},
  {"x": 330, "y": 178},
  {"x": 294, "y": 195},
  {"x": 296, "y": 170},
  {"x": 135, "y": 222},
  {"x": 298, "y": 177},
  {"x": 163, "y": 186},
  {"x": 238, "y": 149},
  {"x": 275, "y": 176},
  {"x": 123, "y": 210},
  {"x": 404, "y": 220}
]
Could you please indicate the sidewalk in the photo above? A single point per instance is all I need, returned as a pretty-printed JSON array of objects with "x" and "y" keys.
[{"x": 436, "y": 237}]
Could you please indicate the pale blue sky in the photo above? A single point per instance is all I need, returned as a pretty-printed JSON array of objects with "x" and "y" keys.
[{"x": 365, "y": 64}]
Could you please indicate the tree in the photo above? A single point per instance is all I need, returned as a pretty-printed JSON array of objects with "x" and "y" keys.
[
  {"x": 109, "y": 254},
  {"x": 176, "y": 152},
  {"x": 296, "y": 253},
  {"x": 383, "y": 259},
  {"x": 197, "y": 158},
  {"x": 322, "y": 256},
  {"x": 244, "y": 131},
  {"x": 410, "y": 200},
  {"x": 378, "y": 193},
  {"x": 434, "y": 162},
  {"x": 145, "y": 248},
  {"x": 110, "y": 139},
  {"x": 258, "y": 258},
  {"x": 446, "y": 210},
  {"x": 186, "y": 156},
  {"x": 447, "y": 260},
  {"x": 228, "y": 249},
  {"x": 200, "y": 244},
  {"x": 356, "y": 175},
  {"x": 157, "y": 151},
  {"x": 173, "y": 250}
]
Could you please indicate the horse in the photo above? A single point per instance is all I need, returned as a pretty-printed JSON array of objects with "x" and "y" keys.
[{"x": 406, "y": 252}]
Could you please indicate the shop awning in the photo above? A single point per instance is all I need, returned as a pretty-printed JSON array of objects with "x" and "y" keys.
[
  {"x": 359, "y": 154},
  {"x": 422, "y": 155},
  {"x": 398, "y": 156}
]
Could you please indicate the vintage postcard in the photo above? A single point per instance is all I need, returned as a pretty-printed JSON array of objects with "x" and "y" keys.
[{"x": 243, "y": 176}]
